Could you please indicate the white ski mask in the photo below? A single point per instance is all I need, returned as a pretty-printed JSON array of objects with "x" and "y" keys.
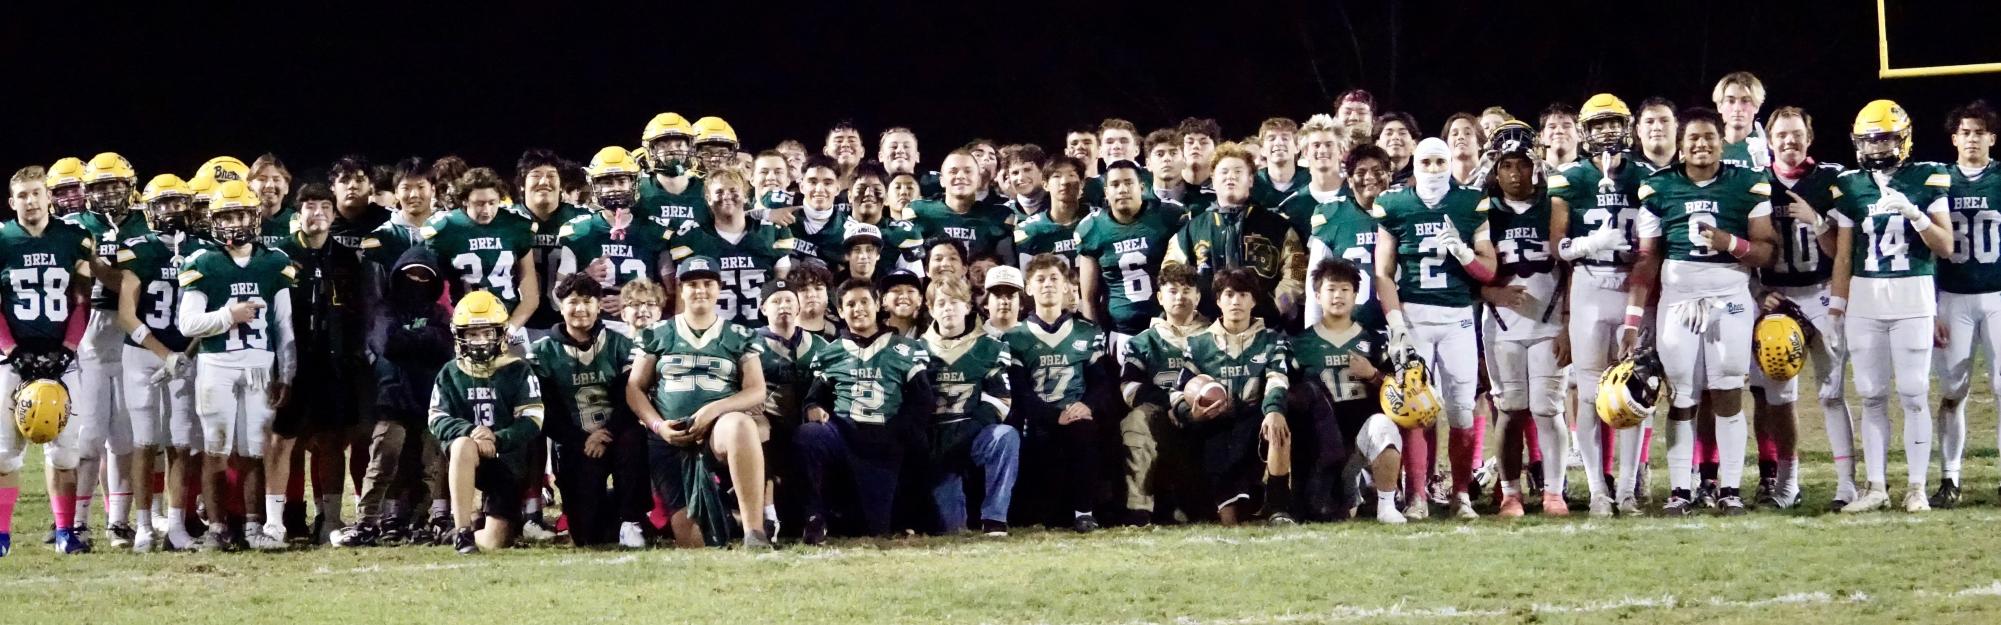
[{"x": 1430, "y": 187}]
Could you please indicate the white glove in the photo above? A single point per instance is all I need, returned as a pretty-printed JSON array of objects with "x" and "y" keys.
[
  {"x": 1600, "y": 240},
  {"x": 1398, "y": 328},
  {"x": 1449, "y": 244},
  {"x": 169, "y": 369}
]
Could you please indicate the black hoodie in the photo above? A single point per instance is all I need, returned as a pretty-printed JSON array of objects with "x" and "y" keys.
[{"x": 410, "y": 338}]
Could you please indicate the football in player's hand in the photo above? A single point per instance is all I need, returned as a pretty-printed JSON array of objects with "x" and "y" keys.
[{"x": 1209, "y": 396}]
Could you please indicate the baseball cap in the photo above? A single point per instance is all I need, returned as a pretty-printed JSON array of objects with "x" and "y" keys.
[
  {"x": 775, "y": 287},
  {"x": 902, "y": 276},
  {"x": 694, "y": 267},
  {"x": 859, "y": 232},
  {"x": 1004, "y": 276}
]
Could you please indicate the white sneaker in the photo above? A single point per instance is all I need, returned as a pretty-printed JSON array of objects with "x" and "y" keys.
[
  {"x": 1417, "y": 510},
  {"x": 1389, "y": 515},
  {"x": 142, "y": 539},
  {"x": 1462, "y": 507},
  {"x": 1629, "y": 506},
  {"x": 630, "y": 536},
  {"x": 1601, "y": 506},
  {"x": 259, "y": 538},
  {"x": 536, "y": 531},
  {"x": 1875, "y": 499},
  {"x": 178, "y": 539},
  {"x": 1914, "y": 501}
]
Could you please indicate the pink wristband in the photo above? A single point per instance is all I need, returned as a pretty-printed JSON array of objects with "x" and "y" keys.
[{"x": 1739, "y": 247}]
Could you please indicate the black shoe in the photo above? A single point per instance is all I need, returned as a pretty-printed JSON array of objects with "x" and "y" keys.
[
  {"x": 1084, "y": 523},
  {"x": 1947, "y": 496},
  {"x": 1534, "y": 480},
  {"x": 422, "y": 534},
  {"x": 1678, "y": 504},
  {"x": 816, "y": 531},
  {"x": 993, "y": 528},
  {"x": 463, "y": 542},
  {"x": 1837, "y": 505},
  {"x": 395, "y": 533},
  {"x": 1730, "y": 505},
  {"x": 1139, "y": 518},
  {"x": 1768, "y": 489},
  {"x": 361, "y": 534},
  {"x": 1705, "y": 495}
]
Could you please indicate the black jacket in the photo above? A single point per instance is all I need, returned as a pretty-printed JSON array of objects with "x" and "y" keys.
[{"x": 410, "y": 338}]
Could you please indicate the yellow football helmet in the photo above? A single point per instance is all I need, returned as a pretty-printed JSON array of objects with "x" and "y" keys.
[
  {"x": 1780, "y": 345},
  {"x": 1601, "y": 137},
  {"x": 1629, "y": 390},
  {"x": 477, "y": 310},
  {"x": 68, "y": 170},
  {"x": 666, "y": 125},
  {"x": 714, "y": 130},
  {"x": 1407, "y": 397},
  {"x": 1882, "y": 136},
  {"x": 231, "y": 196},
  {"x": 165, "y": 186},
  {"x": 202, "y": 185},
  {"x": 109, "y": 166},
  {"x": 41, "y": 410},
  {"x": 224, "y": 168},
  {"x": 613, "y": 161}
]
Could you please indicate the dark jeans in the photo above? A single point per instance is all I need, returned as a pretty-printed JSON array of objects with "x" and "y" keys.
[
  {"x": 826, "y": 458},
  {"x": 595, "y": 512}
]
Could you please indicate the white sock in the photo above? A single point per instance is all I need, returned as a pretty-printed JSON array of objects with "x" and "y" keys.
[
  {"x": 82, "y": 506},
  {"x": 1589, "y": 447},
  {"x": 177, "y": 520},
  {"x": 441, "y": 507},
  {"x": 1875, "y": 437},
  {"x": 118, "y": 490},
  {"x": 274, "y": 510},
  {"x": 1626, "y": 454},
  {"x": 1681, "y": 454},
  {"x": 1508, "y": 488},
  {"x": 1555, "y": 447},
  {"x": 1917, "y": 439},
  {"x": 1952, "y": 438},
  {"x": 1732, "y": 433},
  {"x": 770, "y": 511},
  {"x": 1840, "y": 443}
]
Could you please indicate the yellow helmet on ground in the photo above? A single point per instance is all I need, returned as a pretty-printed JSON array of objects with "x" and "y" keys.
[
  {"x": 67, "y": 170},
  {"x": 1882, "y": 136},
  {"x": 1601, "y": 137},
  {"x": 109, "y": 166},
  {"x": 227, "y": 168},
  {"x": 666, "y": 125},
  {"x": 1780, "y": 345},
  {"x": 165, "y": 186},
  {"x": 41, "y": 410},
  {"x": 1629, "y": 390},
  {"x": 714, "y": 130},
  {"x": 612, "y": 161},
  {"x": 479, "y": 310},
  {"x": 1407, "y": 397}
]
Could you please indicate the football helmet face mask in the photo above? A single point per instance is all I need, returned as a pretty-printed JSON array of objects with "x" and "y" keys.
[
  {"x": 234, "y": 214},
  {"x": 1607, "y": 124},
  {"x": 613, "y": 174},
  {"x": 1629, "y": 390},
  {"x": 1882, "y": 136},
  {"x": 107, "y": 184},
  {"x": 1407, "y": 397},
  {"x": 65, "y": 183},
  {"x": 478, "y": 324}
]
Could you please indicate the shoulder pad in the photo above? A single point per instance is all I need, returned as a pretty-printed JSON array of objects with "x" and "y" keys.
[{"x": 1646, "y": 190}]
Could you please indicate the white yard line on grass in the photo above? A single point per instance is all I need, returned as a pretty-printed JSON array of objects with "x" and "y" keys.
[{"x": 1663, "y": 602}]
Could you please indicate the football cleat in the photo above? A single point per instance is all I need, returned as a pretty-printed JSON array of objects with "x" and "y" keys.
[
  {"x": 1601, "y": 506},
  {"x": 215, "y": 539},
  {"x": 1629, "y": 507},
  {"x": 1439, "y": 488},
  {"x": 363, "y": 534},
  {"x": 1730, "y": 505},
  {"x": 395, "y": 533},
  {"x": 1678, "y": 504},
  {"x": 1139, "y": 518},
  {"x": 1914, "y": 501},
  {"x": 1417, "y": 510},
  {"x": 121, "y": 535},
  {"x": 537, "y": 530},
  {"x": 1462, "y": 508},
  {"x": 816, "y": 531},
  {"x": 1084, "y": 523},
  {"x": 261, "y": 539},
  {"x": 69, "y": 543},
  {"x": 1947, "y": 496},
  {"x": 1511, "y": 506},
  {"x": 1389, "y": 515},
  {"x": 1705, "y": 495},
  {"x": 144, "y": 539},
  {"x": 1768, "y": 492},
  {"x": 1532, "y": 481},
  {"x": 6, "y": 543},
  {"x": 1554, "y": 505},
  {"x": 463, "y": 542},
  {"x": 1281, "y": 519},
  {"x": 1875, "y": 499},
  {"x": 755, "y": 540},
  {"x": 630, "y": 536},
  {"x": 996, "y": 529},
  {"x": 178, "y": 539},
  {"x": 423, "y": 535}
]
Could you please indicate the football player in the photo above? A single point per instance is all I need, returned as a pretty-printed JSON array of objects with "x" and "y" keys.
[
  {"x": 1022, "y": 179},
  {"x": 1238, "y": 232},
  {"x": 748, "y": 252},
  {"x": 1120, "y": 250},
  {"x": 1243, "y": 437},
  {"x": 1356, "y": 110},
  {"x": 1523, "y": 334},
  {"x": 109, "y": 185},
  {"x": 969, "y": 381},
  {"x": 65, "y": 181},
  {"x": 1656, "y": 125},
  {"x": 715, "y": 144},
  {"x": 795, "y": 157},
  {"x": 1054, "y": 231},
  {"x": 1968, "y": 281},
  {"x": 673, "y": 192},
  {"x": 1337, "y": 400},
  {"x": 45, "y": 323},
  {"x": 236, "y": 304},
  {"x": 486, "y": 407},
  {"x": 1702, "y": 227},
  {"x": 272, "y": 183},
  {"x": 1198, "y": 144},
  {"x": 1336, "y": 209},
  {"x": 771, "y": 179},
  {"x": 1425, "y": 270},
  {"x": 1738, "y": 96},
  {"x": 614, "y": 242},
  {"x": 1593, "y": 206},
  {"x": 822, "y": 226},
  {"x": 1118, "y": 140},
  {"x": 1397, "y": 134},
  {"x": 1799, "y": 275},
  {"x": 983, "y": 227},
  {"x": 1281, "y": 175},
  {"x": 1883, "y": 296},
  {"x": 868, "y": 406},
  {"x": 1149, "y": 371},
  {"x": 844, "y": 145},
  {"x": 593, "y": 436},
  {"x": 706, "y": 412},
  {"x": 1062, "y": 379},
  {"x": 482, "y": 247},
  {"x": 157, "y": 371},
  {"x": 540, "y": 177}
]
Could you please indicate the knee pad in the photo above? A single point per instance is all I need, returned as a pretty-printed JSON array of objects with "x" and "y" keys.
[{"x": 62, "y": 458}]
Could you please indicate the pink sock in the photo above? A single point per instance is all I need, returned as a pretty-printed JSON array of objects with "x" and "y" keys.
[
  {"x": 1480, "y": 419},
  {"x": 1608, "y": 446},
  {"x": 1646, "y": 445},
  {"x": 1416, "y": 464},
  {"x": 64, "y": 507},
  {"x": 7, "y": 498},
  {"x": 1529, "y": 439},
  {"x": 1768, "y": 448},
  {"x": 1463, "y": 445}
]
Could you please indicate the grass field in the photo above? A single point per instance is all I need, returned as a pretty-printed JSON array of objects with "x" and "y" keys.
[{"x": 1801, "y": 566}]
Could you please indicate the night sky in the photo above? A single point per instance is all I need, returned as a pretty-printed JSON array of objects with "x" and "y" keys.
[{"x": 171, "y": 88}]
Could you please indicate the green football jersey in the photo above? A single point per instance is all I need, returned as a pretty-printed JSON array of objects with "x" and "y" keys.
[
  {"x": 1129, "y": 257},
  {"x": 1520, "y": 239},
  {"x": 688, "y": 206},
  {"x": 279, "y": 225},
  {"x": 218, "y": 277},
  {"x": 900, "y": 242},
  {"x": 1751, "y": 153},
  {"x": 156, "y": 261},
  {"x": 745, "y": 265},
  {"x": 980, "y": 229},
  {"x": 108, "y": 241},
  {"x": 481, "y": 257},
  {"x": 1975, "y": 265},
  {"x": 867, "y": 378},
  {"x": 635, "y": 254},
  {"x": 587, "y": 382},
  {"x": 1349, "y": 233},
  {"x": 386, "y": 243},
  {"x": 1724, "y": 202},
  {"x": 1151, "y": 366},
  {"x": 1886, "y": 246},
  {"x": 1255, "y": 365},
  {"x": 1264, "y": 192},
  {"x": 828, "y": 244},
  {"x": 548, "y": 252},
  {"x": 1052, "y": 358},
  {"x": 695, "y": 368},
  {"x": 507, "y": 400},
  {"x": 968, "y": 378},
  {"x": 1322, "y": 355},
  {"x": 40, "y": 270},
  {"x": 1797, "y": 260},
  {"x": 1041, "y": 234},
  {"x": 1425, "y": 273},
  {"x": 786, "y": 377},
  {"x": 1594, "y": 205}
]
